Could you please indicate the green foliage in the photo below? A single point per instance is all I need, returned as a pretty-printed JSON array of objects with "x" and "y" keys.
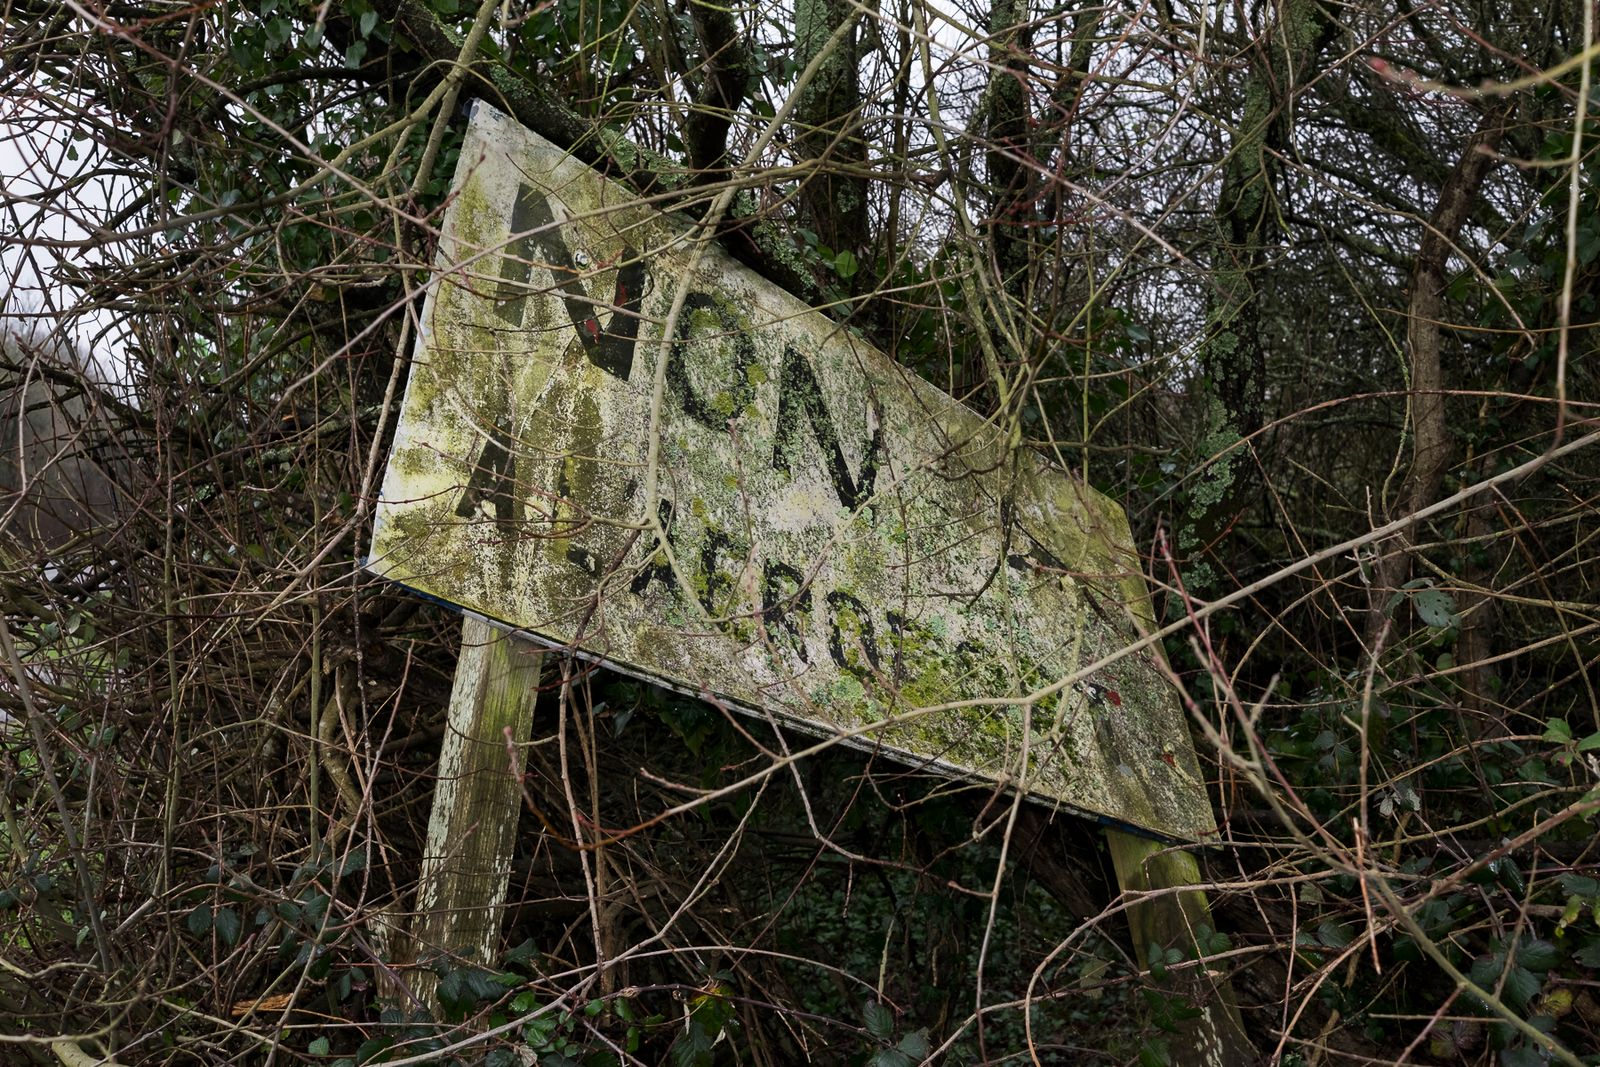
[{"x": 265, "y": 253}]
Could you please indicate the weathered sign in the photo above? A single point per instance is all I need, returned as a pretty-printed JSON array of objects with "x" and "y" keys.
[{"x": 847, "y": 548}]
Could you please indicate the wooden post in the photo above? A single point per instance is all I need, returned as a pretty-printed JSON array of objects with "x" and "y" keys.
[
  {"x": 472, "y": 830},
  {"x": 1216, "y": 1036}
]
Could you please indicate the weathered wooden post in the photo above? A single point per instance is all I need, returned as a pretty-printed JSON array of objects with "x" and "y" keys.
[
  {"x": 828, "y": 538},
  {"x": 472, "y": 830},
  {"x": 1216, "y": 1035}
]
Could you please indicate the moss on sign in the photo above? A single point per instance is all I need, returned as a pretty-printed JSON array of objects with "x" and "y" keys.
[{"x": 846, "y": 546}]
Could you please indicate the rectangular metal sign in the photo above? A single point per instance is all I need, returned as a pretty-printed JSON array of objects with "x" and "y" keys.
[{"x": 846, "y": 546}]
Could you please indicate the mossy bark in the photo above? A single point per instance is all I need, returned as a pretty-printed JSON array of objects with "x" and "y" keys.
[
  {"x": 1010, "y": 153},
  {"x": 1233, "y": 356},
  {"x": 833, "y": 200}
]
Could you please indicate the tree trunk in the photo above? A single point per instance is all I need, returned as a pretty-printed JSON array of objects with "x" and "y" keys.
[
  {"x": 1432, "y": 446},
  {"x": 833, "y": 198},
  {"x": 725, "y": 67},
  {"x": 1009, "y": 149},
  {"x": 1234, "y": 353}
]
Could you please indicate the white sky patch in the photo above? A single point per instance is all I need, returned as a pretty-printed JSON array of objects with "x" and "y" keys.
[{"x": 56, "y": 190}]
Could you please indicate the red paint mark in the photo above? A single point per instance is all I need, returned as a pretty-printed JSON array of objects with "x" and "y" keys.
[
  {"x": 1170, "y": 760},
  {"x": 592, "y": 328},
  {"x": 1115, "y": 698}
]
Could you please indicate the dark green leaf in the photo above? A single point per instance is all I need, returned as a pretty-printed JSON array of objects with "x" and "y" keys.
[
  {"x": 1538, "y": 955},
  {"x": 525, "y": 951},
  {"x": 1486, "y": 970},
  {"x": 891, "y": 1057},
  {"x": 1509, "y": 874},
  {"x": 879, "y": 1020},
  {"x": 1557, "y": 731},
  {"x": 372, "y": 1047},
  {"x": 916, "y": 1044},
  {"x": 199, "y": 920},
  {"x": 454, "y": 990},
  {"x": 692, "y": 1049},
  {"x": 227, "y": 923},
  {"x": 1334, "y": 934},
  {"x": 1522, "y": 985},
  {"x": 1522, "y": 1056},
  {"x": 1154, "y": 1053},
  {"x": 1580, "y": 885}
]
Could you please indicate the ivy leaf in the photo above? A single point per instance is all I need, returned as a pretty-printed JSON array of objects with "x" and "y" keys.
[
  {"x": 199, "y": 920},
  {"x": 1436, "y": 608}
]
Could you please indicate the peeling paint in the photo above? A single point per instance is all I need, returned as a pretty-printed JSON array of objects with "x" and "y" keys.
[{"x": 851, "y": 544}]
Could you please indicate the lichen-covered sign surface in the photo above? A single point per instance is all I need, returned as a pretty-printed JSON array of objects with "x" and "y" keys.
[{"x": 847, "y": 548}]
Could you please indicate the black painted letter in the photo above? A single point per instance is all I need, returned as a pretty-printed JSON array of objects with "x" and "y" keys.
[
  {"x": 732, "y": 400},
  {"x": 609, "y": 345},
  {"x": 800, "y": 398}
]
